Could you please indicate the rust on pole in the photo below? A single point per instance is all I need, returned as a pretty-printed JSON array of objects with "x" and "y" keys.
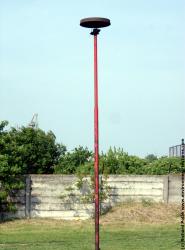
[
  {"x": 96, "y": 143},
  {"x": 95, "y": 23}
]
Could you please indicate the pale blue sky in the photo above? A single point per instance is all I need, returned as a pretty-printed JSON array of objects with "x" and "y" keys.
[{"x": 46, "y": 67}]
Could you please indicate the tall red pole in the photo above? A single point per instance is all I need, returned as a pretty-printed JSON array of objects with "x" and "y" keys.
[
  {"x": 96, "y": 145},
  {"x": 95, "y": 23}
]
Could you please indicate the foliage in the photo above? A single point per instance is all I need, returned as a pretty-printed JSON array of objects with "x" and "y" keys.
[
  {"x": 151, "y": 157},
  {"x": 115, "y": 161},
  {"x": 146, "y": 202},
  {"x": 10, "y": 179},
  {"x": 69, "y": 162},
  {"x": 24, "y": 151},
  {"x": 87, "y": 183},
  {"x": 31, "y": 150},
  {"x": 164, "y": 165}
]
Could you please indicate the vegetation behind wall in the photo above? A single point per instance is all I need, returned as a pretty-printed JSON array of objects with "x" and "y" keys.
[{"x": 26, "y": 150}]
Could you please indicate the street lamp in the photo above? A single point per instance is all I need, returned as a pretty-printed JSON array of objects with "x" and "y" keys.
[{"x": 95, "y": 23}]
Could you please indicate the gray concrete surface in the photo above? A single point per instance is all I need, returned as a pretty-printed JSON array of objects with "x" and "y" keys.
[{"x": 52, "y": 196}]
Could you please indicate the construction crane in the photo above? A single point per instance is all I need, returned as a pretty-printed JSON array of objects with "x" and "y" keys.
[{"x": 34, "y": 121}]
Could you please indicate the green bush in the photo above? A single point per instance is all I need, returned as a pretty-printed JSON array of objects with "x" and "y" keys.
[
  {"x": 116, "y": 161},
  {"x": 70, "y": 162},
  {"x": 164, "y": 165},
  {"x": 24, "y": 151}
]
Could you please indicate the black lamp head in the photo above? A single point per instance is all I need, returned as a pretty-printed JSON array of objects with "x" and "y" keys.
[{"x": 94, "y": 22}]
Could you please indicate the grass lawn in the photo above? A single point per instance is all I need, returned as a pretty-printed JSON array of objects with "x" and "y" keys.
[
  {"x": 130, "y": 226},
  {"x": 50, "y": 235}
]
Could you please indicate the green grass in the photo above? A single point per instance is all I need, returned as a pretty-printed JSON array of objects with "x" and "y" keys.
[{"x": 55, "y": 235}]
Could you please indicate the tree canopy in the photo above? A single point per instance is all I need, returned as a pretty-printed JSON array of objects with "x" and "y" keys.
[
  {"x": 31, "y": 150},
  {"x": 24, "y": 151}
]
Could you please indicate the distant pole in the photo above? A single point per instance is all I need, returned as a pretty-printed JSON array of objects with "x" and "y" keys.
[{"x": 95, "y": 23}]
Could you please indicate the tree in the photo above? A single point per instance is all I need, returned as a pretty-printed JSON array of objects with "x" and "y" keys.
[
  {"x": 10, "y": 175},
  {"x": 69, "y": 162},
  {"x": 164, "y": 165},
  {"x": 151, "y": 157},
  {"x": 33, "y": 150},
  {"x": 24, "y": 151}
]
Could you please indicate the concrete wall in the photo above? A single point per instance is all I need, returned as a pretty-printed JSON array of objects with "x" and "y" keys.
[
  {"x": 51, "y": 195},
  {"x": 175, "y": 190}
]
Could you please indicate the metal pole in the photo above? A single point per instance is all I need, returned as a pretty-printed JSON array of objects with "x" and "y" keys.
[
  {"x": 95, "y": 23},
  {"x": 182, "y": 195},
  {"x": 96, "y": 143}
]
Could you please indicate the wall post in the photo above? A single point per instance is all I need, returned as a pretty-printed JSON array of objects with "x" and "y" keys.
[
  {"x": 28, "y": 197},
  {"x": 166, "y": 189}
]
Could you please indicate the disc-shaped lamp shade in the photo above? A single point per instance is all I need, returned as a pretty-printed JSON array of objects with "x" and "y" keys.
[{"x": 94, "y": 22}]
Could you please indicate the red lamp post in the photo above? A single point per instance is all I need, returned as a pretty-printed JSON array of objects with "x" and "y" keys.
[{"x": 95, "y": 23}]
